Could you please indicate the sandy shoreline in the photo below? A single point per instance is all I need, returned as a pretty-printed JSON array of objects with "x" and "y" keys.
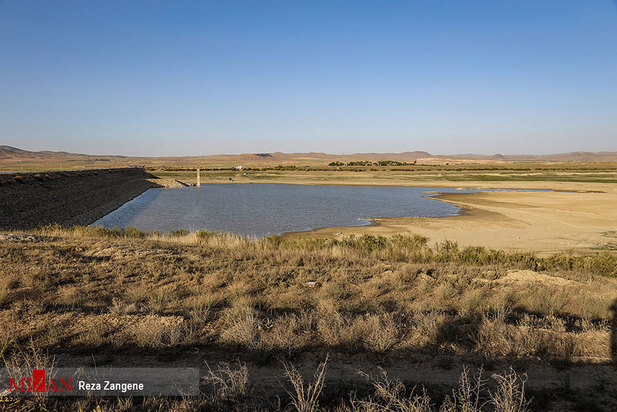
[{"x": 582, "y": 221}]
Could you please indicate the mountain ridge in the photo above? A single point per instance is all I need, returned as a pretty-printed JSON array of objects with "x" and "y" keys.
[{"x": 10, "y": 153}]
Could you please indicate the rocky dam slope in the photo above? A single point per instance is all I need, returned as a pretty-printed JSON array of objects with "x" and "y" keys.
[{"x": 30, "y": 200}]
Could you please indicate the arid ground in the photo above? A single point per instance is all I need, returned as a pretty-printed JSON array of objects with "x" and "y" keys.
[
  {"x": 581, "y": 220},
  {"x": 519, "y": 290},
  {"x": 422, "y": 313}
]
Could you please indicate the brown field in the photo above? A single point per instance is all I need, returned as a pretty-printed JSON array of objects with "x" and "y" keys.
[
  {"x": 92, "y": 296},
  {"x": 14, "y": 160}
]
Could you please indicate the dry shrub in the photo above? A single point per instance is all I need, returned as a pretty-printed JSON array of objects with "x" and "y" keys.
[
  {"x": 157, "y": 301},
  {"x": 374, "y": 332},
  {"x": 6, "y": 284},
  {"x": 446, "y": 292},
  {"x": 343, "y": 297},
  {"x": 199, "y": 311},
  {"x": 119, "y": 307},
  {"x": 186, "y": 404},
  {"x": 336, "y": 330},
  {"x": 157, "y": 332},
  {"x": 545, "y": 300},
  {"x": 200, "y": 316},
  {"x": 7, "y": 339},
  {"x": 496, "y": 338},
  {"x": 539, "y": 337},
  {"x": 468, "y": 396},
  {"x": 137, "y": 293},
  {"x": 238, "y": 291},
  {"x": 510, "y": 393},
  {"x": 358, "y": 302},
  {"x": 391, "y": 395},
  {"x": 25, "y": 359},
  {"x": 242, "y": 327},
  {"x": 593, "y": 307},
  {"x": 426, "y": 285},
  {"x": 305, "y": 398},
  {"x": 40, "y": 282},
  {"x": 471, "y": 303},
  {"x": 93, "y": 332},
  {"x": 380, "y": 332},
  {"x": 547, "y": 337},
  {"x": 100, "y": 404},
  {"x": 72, "y": 296},
  {"x": 289, "y": 333},
  {"x": 593, "y": 343},
  {"x": 228, "y": 383},
  {"x": 426, "y": 328}
]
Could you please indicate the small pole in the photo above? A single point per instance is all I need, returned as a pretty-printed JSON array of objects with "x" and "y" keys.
[{"x": 198, "y": 178}]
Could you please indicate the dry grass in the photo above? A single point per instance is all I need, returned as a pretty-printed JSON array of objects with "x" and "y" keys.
[
  {"x": 228, "y": 389},
  {"x": 86, "y": 291},
  {"x": 305, "y": 397},
  {"x": 274, "y": 296},
  {"x": 22, "y": 361},
  {"x": 157, "y": 332},
  {"x": 510, "y": 393},
  {"x": 7, "y": 282},
  {"x": 390, "y": 395},
  {"x": 228, "y": 383},
  {"x": 472, "y": 394}
]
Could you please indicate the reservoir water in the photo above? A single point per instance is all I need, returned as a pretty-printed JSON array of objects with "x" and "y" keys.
[{"x": 265, "y": 209}]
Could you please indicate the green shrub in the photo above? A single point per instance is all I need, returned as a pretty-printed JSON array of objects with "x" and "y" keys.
[
  {"x": 603, "y": 263},
  {"x": 93, "y": 231},
  {"x": 203, "y": 234},
  {"x": 178, "y": 232}
]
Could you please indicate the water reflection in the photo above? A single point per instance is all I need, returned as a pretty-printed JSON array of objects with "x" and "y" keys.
[{"x": 262, "y": 209}]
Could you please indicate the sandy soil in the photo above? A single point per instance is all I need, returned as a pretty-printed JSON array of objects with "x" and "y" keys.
[{"x": 546, "y": 222}]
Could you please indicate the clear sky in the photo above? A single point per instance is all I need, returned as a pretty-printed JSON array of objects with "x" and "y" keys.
[{"x": 205, "y": 77}]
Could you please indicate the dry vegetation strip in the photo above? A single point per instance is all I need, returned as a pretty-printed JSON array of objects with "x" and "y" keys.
[
  {"x": 400, "y": 175},
  {"x": 86, "y": 289},
  {"x": 93, "y": 290}
]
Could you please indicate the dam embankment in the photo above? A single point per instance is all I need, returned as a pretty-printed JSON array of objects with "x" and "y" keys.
[{"x": 31, "y": 200}]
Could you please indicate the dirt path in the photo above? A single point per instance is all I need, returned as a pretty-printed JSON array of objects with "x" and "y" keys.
[{"x": 343, "y": 372}]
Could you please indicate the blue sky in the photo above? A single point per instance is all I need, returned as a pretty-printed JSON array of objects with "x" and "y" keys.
[{"x": 205, "y": 77}]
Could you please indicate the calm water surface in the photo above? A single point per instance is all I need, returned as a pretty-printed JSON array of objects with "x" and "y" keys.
[{"x": 264, "y": 209}]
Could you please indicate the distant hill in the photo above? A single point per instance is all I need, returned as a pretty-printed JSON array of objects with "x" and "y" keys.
[
  {"x": 7, "y": 152},
  {"x": 12, "y": 156}
]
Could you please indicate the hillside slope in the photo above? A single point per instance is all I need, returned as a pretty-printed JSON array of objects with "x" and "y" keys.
[{"x": 12, "y": 158}]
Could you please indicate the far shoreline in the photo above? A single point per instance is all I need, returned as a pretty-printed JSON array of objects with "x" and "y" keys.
[{"x": 544, "y": 222}]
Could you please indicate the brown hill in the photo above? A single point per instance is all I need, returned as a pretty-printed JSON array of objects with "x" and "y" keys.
[
  {"x": 8, "y": 152},
  {"x": 12, "y": 158}
]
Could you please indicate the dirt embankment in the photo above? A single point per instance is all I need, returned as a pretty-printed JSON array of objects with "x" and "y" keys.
[{"x": 29, "y": 200}]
